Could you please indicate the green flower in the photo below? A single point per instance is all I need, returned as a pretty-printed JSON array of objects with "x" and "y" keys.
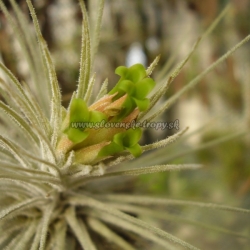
[
  {"x": 127, "y": 140},
  {"x": 79, "y": 114},
  {"x": 118, "y": 105},
  {"x": 136, "y": 85}
]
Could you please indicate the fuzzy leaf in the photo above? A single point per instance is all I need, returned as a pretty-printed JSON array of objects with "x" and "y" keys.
[{"x": 85, "y": 61}]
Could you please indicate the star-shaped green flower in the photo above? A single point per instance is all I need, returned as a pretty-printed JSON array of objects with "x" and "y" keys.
[
  {"x": 127, "y": 140},
  {"x": 135, "y": 83}
]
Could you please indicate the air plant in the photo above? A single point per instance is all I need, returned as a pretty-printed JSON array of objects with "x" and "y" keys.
[{"x": 53, "y": 166}]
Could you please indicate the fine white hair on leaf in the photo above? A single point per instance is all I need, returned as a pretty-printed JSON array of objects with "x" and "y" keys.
[{"x": 48, "y": 199}]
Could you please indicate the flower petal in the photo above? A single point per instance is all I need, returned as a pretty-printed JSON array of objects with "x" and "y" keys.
[
  {"x": 121, "y": 71},
  {"x": 131, "y": 137},
  {"x": 127, "y": 86},
  {"x": 135, "y": 150},
  {"x": 143, "y": 88},
  {"x": 76, "y": 135},
  {"x": 136, "y": 73},
  {"x": 78, "y": 111},
  {"x": 110, "y": 150},
  {"x": 142, "y": 104}
]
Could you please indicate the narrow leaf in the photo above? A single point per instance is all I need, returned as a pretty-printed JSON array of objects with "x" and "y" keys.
[
  {"x": 85, "y": 61},
  {"x": 60, "y": 235},
  {"x": 120, "y": 216},
  {"x": 152, "y": 66},
  {"x": 89, "y": 91},
  {"x": 197, "y": 79},
  {"x": 50, "y": 69},
  {"x": 103, "y": 90},
  {"x": 164, "y": 142},
  {"x": 19, "y": 121},
  {"x": 28, "y": 42},
  {"x": 96, "y": 36},
  {"x": 146, "y": 200},
  {"x": 23, "y": 243},
  {"x": 107, "y": 233},
  {"x": 19, "y": 206},
  {"x": 79, "y": 230}
]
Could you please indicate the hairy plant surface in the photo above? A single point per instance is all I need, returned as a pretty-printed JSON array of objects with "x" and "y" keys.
[{"x": 64, "y": 183}]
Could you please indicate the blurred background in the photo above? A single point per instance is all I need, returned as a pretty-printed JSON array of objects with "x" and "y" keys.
[{"x": 216, "y": 111}]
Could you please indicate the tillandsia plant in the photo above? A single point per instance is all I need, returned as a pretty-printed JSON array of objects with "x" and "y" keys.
[
  {"x": 102, "y": 130},
  {"x": 54, "y": 164}
]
